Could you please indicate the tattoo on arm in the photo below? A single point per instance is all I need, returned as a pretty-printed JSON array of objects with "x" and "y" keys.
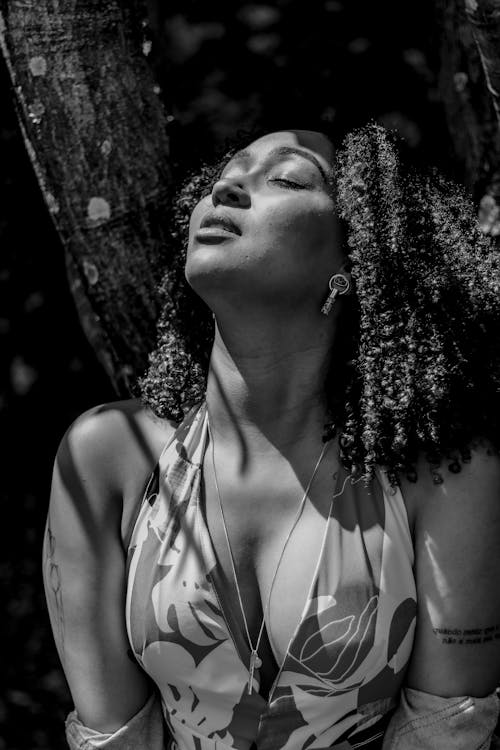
[
  {"x": 54, "y": 589},
  {"x": 469, "y": 636}
]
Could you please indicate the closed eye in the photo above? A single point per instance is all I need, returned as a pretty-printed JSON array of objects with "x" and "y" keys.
[{"x": 290, "y": 183}]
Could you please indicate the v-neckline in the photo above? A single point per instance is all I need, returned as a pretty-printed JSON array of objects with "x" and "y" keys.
[{"x": 209, "y": 556}]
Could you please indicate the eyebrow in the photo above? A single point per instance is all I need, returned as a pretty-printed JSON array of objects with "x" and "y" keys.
[{"x": 246, "y": 156}]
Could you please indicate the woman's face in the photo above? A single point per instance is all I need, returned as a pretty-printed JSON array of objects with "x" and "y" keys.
[{"x": 268, "y": 232}]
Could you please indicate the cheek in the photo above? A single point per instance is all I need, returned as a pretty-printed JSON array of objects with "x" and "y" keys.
[{"x": 309, "y": 229}]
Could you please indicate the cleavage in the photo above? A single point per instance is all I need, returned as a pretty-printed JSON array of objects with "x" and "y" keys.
[{"x": 259, "y": 513}]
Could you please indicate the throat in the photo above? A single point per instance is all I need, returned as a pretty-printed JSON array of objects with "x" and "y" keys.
[{"x": 272, "y": 398}]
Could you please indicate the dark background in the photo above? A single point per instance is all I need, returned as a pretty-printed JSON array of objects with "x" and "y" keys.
[{"x": 223, "y": 67}]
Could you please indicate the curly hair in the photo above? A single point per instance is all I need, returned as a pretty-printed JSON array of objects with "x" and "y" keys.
[{"x": 421, "y": 372}]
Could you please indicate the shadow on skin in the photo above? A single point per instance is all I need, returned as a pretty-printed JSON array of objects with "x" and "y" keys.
[{"x": 368, "y": 502}]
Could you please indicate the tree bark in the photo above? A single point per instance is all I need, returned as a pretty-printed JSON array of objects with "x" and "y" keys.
[
  {"x": 470, "y": 86},
  {"x": 96, "y": 133}
]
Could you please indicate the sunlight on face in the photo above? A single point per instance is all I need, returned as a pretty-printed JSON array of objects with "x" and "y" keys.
[{"x": 269, "y": 226}]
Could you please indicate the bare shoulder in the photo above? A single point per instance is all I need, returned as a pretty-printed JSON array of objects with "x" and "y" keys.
[
  {"x": 107, "y": 437},
  {"x": 465, "y": 490},
  {"x": 460, "y": 488},
  {"x": 456, "y": 526},
  {"x": 110, "y": 449}
]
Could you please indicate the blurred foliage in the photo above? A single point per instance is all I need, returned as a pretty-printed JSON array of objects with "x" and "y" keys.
[
  {"x": 221, "y": 67},
  {"x": 226, "y": 67}
]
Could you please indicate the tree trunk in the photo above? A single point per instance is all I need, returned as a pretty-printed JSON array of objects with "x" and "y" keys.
[
  {"x": 470, "y": 86},
  {"x": 96, "y": 133}
]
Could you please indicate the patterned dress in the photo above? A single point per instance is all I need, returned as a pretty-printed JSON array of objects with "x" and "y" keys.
[{"x": 345, "y": 663}]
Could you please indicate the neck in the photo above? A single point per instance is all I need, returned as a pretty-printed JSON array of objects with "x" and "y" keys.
[{"x": 266, "y": 386}]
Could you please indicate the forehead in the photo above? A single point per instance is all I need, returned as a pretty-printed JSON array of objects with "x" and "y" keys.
[{"x": 309, "y": 140}]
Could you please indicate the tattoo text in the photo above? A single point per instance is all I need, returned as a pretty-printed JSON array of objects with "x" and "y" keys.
[{"x": 468, "y": 636}]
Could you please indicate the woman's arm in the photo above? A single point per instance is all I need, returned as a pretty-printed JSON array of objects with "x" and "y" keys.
[
  {"x": 84, "y": 573},
  {"x": 457, "y": 570},
  {"x": 449, "y": 699}
]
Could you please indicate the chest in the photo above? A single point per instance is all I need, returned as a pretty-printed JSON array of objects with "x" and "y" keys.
[
  {"x": 276, "y": 536},
  {"x": 344, "y": 590}
]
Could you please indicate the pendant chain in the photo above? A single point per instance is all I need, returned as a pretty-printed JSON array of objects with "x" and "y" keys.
[{"x": 255, "y": 661}]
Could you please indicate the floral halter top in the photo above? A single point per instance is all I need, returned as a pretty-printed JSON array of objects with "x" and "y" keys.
[{"x": 346, "y": 661}]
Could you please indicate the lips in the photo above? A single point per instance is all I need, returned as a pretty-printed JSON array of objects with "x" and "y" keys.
[{"x": 220, "y": 221}]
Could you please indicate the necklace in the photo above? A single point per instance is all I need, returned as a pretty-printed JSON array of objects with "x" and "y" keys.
[{"x": 255, "y": 660}]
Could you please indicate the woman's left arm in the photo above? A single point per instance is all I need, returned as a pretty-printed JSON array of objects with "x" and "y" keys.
[
  {"x": 448, "y": 699},
  {"x": 457, "y": 571}
]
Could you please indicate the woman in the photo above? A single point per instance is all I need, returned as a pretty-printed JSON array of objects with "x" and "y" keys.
[{"x": 314, "y": 561}]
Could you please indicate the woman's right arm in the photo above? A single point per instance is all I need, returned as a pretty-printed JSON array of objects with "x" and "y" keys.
[{"x": 84, "y": 574}]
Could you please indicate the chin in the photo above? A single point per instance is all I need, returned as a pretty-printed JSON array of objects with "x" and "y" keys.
[{"x": 207, "y": 271}]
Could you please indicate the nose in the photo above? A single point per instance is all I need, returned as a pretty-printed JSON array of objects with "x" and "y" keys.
[{"x": 230, "y": 193}]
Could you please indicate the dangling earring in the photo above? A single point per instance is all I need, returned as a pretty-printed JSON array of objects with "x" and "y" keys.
[{"x": 339, "y": 283}]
